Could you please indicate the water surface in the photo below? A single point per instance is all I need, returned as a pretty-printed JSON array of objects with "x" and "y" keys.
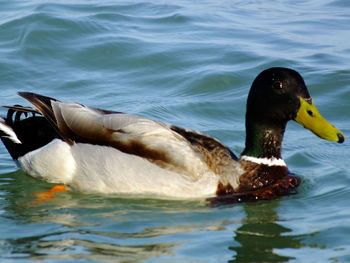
[{"x": 190, "y": 63}]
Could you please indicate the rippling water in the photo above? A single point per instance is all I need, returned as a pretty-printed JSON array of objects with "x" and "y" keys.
[{"x": 190, "y": 63}]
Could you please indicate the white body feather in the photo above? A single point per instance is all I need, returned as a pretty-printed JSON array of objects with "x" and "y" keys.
[{"x": 102, "y": 169}]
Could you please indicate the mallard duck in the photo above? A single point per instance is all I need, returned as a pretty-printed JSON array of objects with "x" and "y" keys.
[{"x": 102, "y": 151}]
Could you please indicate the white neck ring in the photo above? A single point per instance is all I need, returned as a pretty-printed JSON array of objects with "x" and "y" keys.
[{"x": 273, "y": 161}]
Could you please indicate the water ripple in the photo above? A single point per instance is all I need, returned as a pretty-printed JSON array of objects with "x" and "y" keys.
[{"x": 188, "y": 63}]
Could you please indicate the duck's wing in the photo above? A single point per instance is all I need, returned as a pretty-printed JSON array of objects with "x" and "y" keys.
[{"x": 167, "y": 146}]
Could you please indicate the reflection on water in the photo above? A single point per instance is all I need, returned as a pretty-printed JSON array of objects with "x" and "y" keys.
[
  {"x": 94, "y": 227},
  {"x": 61, "y": 227},
  {"x": 260, "y": 235},
  {"x": 105, "y": 229}
]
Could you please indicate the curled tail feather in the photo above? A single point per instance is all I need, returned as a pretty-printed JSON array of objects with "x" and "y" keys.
[
  {"x": 24, "y": 130},
  {"x": 7, "y": 132}
]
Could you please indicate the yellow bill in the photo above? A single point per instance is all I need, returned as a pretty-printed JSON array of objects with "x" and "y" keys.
[{"x": 311, "y": 119}]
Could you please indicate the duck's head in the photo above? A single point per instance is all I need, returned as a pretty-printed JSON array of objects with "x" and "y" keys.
[{"x": 278, "y": 95}]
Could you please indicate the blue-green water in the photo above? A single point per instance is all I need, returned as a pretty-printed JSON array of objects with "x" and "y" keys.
[{"x": 190, "y": 63}]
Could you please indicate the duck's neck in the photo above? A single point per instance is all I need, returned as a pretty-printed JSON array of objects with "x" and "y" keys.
[{"x": 264, "y": 141}]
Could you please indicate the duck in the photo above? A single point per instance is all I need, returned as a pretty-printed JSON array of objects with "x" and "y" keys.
[{"x": 93, "y": 150}]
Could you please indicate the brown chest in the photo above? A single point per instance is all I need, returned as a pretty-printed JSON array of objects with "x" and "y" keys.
[{"x": 258, "y": 182}]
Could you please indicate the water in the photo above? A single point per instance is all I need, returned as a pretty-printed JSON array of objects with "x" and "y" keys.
[{"x": 189, "y": 63}]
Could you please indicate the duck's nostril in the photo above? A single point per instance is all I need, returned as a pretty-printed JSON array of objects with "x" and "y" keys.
[{"x": 310, "y": 113}]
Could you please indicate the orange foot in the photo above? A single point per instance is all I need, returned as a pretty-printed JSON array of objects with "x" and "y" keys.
[{"x": 43, "y": 196}]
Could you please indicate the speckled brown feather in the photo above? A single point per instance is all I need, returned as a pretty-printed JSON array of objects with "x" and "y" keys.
[
  {"x": 216, "y": 155},
  {"x": 254, "y": 177},
  {"x": 257, "y": 176},
  {"x": 258, "y": 182}
]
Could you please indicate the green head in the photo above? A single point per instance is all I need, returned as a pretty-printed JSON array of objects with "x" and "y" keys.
[{"x": 278, "y": 95}]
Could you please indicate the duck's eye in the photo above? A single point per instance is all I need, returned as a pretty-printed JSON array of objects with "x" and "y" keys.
[{"x": 277, "y": 85}]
